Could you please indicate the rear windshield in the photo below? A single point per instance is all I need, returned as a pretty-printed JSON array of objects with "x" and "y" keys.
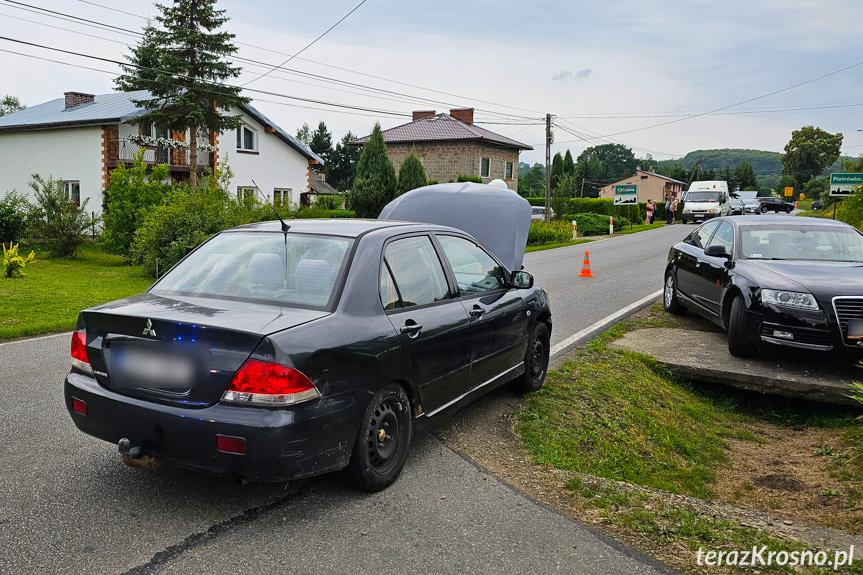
[
  {"x": 810, "y": 243},
  {"x": 702, "y": 197},
  {"x": 261, "y": 267}
]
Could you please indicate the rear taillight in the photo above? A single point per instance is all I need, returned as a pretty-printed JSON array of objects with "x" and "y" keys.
[
  {"x": 264, "y": 383},
  {"x": 79, "y": 351}
]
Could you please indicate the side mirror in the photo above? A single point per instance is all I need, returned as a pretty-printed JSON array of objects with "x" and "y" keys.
[
  {"x": 522, "y": 280},
  {"x": 717, "y": 251}
]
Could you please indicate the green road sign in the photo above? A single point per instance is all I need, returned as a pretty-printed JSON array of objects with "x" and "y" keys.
[
  {"x": 845, "y": 184},
  {"x": 626, "y": 194}
]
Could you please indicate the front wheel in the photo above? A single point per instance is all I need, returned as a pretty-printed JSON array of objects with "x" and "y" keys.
[
  {"x": 383, "y": 441},
  {"x": 535, "y": 360},
  {"x": 739, "y": 342},
  {"x": 788, "y": 210},
  {"x": 669, "y": 296},
  {"x": 763, "y": 209}
]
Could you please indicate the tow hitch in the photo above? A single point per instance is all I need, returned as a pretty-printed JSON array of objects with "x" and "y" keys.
[{"x": 134, "y": 457}]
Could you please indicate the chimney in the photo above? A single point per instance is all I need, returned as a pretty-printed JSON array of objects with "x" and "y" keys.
[
  {"x": 421, "y": 114},
  {"x": 463, "y": 114},
  {"x": 652, "y": 170},
  {"x": 77, "y": 98}
]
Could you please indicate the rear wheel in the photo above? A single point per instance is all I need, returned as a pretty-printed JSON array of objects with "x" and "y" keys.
[
  {"x": 763, "y": 209},
  {"x": 383, "y": 441},
  {"x": 669, "y": 296},
  {"x": 535, "y": 360},
  {"x": 739, "y": 342}
]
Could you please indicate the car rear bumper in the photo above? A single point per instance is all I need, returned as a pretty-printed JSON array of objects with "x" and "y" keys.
[{"x": 281, "y": 444}]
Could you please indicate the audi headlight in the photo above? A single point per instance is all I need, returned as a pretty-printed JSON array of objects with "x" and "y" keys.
[{"x": 797, "y": 300}]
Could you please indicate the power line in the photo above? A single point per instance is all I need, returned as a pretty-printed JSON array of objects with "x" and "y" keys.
[
  {"x": 66, "y": 16},
  {"x": 309, "y": 44},
  {"x": 406, "y": 98},
  {"x": 384, "y": 79},
  {"x": 758, "y": 111},
  {"x": 113, "y": 73},
  {"x": 267, "y": 92},
  {"x": 845, "y": 69}
]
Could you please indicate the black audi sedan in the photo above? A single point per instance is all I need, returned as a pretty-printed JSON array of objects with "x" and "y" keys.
[
  {"x": 274, "y": 352},
  {"x": 795, "y": 282}
]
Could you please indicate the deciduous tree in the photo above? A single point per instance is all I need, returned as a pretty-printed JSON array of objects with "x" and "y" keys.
[
  {"x": 10, "y": 104},
  {"x": 809, "y": 151}
]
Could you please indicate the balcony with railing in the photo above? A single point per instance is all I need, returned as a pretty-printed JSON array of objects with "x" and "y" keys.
[{"x": 124, "y": 151}]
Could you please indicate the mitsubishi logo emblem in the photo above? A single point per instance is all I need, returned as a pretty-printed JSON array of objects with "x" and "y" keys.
[{"x": 149, "y": 329}]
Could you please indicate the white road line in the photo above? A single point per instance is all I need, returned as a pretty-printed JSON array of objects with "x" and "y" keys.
[
  {"x": 66, "y": 333},
  {"x": 604, "y": 322}
]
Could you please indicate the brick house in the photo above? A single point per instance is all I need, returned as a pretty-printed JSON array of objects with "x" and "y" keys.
[
  {"x": 451, "y": 144},
  {"x": 80, "y": 138},
  {"x": 650, "y": 186}
]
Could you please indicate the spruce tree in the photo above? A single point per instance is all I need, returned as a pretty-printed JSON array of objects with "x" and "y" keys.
[
  {"x": 182, "y": 63},
  {"x": 412, "y": 175},
  {"x": 568, "y": 165},
  {"x": 375, "y": 183},
  {"x": 556, "y": 170},
  {"x": 321, "y": 142}
]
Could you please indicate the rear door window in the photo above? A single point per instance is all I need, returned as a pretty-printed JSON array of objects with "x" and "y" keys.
[{"x": 411, "y": 274}]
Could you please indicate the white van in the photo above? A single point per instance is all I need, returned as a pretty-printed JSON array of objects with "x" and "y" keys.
[{"x": 705, "y": 200}]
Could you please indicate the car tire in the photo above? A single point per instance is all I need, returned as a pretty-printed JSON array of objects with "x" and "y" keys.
[
  {"x": 669, "y": 296},
  {"x": 739, "y": 342},
  {"x": 788, "y": 209},
  {"x": 535, "y": 360},
  {"x": 763, "y": 209},
  {"x": 383, "y": 441},
  {"x": 684, "y": 220}
]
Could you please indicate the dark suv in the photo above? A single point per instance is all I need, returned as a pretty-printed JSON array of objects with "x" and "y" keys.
[{"x": 774, "y": 204}]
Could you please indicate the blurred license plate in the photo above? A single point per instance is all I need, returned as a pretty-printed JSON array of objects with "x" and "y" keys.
[
  {"x": 855, "y": 329},
  {"x": 133, "y": 366}
]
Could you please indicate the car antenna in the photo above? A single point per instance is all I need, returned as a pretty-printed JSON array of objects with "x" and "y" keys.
[{"x": 285, "y": 227}]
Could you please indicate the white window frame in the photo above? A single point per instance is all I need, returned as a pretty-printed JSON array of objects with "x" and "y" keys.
[
  {"x": 245, "y": 193},
  {"x": 241, "y": 140},
  {"x": 488, "y": 172},
  {"x": 69, "y": 187},
  {"x": 287, "y": 197}
]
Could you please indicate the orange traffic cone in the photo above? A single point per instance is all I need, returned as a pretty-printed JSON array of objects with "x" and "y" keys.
[{"x": 585, "y": 268}]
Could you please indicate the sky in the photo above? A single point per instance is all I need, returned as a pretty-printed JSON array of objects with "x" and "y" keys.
[{"x": 607, "y": 71}]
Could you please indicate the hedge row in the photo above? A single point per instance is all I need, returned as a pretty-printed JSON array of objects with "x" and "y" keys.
[
  {"x": 606, "y": 207},
  {"x": 594, "y": 224}
]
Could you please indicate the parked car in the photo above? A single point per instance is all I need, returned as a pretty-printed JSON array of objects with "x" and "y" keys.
[
  {"x": 795, "y": 282},
  {"x": 538, "y": 213},
  {"x": 773, "y": 204},
  {"x": 751, "y": 206},
  {"x": 275, "y": 352},
  {"x": 737, "y": 206},
  {"x": 817, "y": 205}
]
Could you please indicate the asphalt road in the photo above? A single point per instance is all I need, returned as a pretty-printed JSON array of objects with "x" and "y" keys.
[{"x": 67, "y": 504}]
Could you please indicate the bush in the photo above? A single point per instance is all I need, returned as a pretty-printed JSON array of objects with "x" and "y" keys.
[
  {"x": 469, "y": 178},
  {"x": 375, "y": 183},
  {"x": 55, "y": 223},
  {"x": 432, "y": 182},
  {"x": 329, "y": 202},
  {"x": 850, "y": 209},
  {"x": 594, "y": 224},
  {"x": 13, "y": 263},
  {"x": 13, "y": 213},
  {"x": 542, "y": 233},
  {"x": 315, "y": 212},
  {"x": 171, "y": 230},
  {"x": 412, "y": 175},
  {"x": 128, "y": 197}
]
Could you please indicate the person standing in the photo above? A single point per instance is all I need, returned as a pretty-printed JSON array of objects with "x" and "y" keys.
[
  {"x": 670, "y": 211},
  {"x": 649, "y": 209}
]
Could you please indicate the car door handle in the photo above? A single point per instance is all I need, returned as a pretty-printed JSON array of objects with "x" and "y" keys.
[
  {"x": 476, "y": 311},
  {"x": 412, "y": 329}
]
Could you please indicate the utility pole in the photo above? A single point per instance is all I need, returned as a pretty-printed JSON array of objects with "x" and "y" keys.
[
  {"x": 582, "y": 188},
  {"x": 548, "y": 139}
]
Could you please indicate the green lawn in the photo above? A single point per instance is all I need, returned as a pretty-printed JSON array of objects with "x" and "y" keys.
[{"x": 52, "y": 293}]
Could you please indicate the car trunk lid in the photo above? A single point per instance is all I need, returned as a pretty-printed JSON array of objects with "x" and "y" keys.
[{"x": 179, "y": 350}]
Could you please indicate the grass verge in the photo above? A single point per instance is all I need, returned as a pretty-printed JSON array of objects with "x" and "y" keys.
[
  {"x": 52, "y": 293},
  {"x": 622, "y": 416}
]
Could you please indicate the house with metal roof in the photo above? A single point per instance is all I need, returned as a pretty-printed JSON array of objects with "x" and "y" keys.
[
  {"x": 81, "y": 137},
  {"x": 450, "y": 145},
  {"x": 649, "y": 186}
]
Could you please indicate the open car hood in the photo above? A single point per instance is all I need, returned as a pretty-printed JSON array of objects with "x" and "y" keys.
[{"x": 498, "y": 218}]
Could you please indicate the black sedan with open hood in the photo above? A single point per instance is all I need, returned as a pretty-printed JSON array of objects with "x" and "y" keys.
[
  {"x": 795, "y": 282},
  {"x": 273, "y": 354}
]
